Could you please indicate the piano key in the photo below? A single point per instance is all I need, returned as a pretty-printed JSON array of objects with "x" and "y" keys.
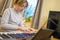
[
  {"x": 1, "y": 38},
  {"x": 15, "y": 34},
  {"x": 6, "y": 36},
  {"x": 12, "y": 35}
]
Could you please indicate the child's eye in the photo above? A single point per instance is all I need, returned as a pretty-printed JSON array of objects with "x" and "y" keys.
[{"x": 22, "y": 6}]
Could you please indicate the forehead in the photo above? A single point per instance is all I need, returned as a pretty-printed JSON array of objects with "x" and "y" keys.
[{"x": 24, "y": 4}]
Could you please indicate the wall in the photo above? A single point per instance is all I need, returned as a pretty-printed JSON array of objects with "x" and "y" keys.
[
  {"x": 1, "y": 4},
  {"x": 4, "y": 4},
  {"x": 48, "y": 5},
  {"x": 9, "y": 3}
]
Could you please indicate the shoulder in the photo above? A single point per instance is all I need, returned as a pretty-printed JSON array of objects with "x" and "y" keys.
[{"x": 7, "y": 9}]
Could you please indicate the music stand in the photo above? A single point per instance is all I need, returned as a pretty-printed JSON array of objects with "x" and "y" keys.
[{"x": 43, "y": 34}]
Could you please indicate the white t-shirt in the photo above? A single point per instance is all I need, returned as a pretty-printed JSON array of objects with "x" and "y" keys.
[{"x": 11, "y": 19}]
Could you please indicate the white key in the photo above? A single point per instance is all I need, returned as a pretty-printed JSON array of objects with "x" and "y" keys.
[
  {"x": 1, "y": 38},
  {"x": 8, "y": 35}
]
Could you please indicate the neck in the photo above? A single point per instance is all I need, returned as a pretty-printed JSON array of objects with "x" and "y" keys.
[{"x": 16, "y": 10}]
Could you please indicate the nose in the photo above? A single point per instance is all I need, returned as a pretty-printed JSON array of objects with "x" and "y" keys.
[{"x": 22, "y": 8}]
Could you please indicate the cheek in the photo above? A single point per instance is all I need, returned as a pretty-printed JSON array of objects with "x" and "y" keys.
[{"x": 21, "y": 8}]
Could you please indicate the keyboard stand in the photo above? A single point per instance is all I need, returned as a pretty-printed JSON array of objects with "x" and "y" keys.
[{"x": 43, "y": 34}]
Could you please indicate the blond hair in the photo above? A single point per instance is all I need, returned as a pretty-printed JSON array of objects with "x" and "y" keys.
[{"x": 20, "y": 2}]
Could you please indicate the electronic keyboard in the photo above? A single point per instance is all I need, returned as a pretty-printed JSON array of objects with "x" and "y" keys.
[{"x": 13, "y": 35}]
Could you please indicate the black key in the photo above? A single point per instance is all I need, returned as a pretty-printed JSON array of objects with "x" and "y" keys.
[
  {"x": 2, "y": 36},
  {"x": 6, "y": 36},
  {"x": 12, "y": 35}
]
